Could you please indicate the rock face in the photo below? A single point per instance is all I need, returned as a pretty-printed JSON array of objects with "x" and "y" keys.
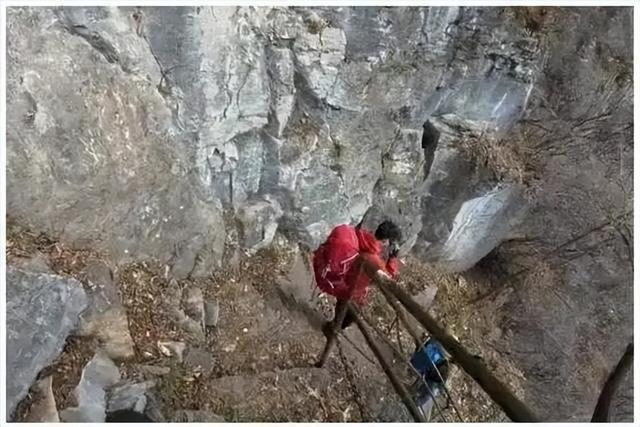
[
  {"x": 211, "y": 313},
  {"x": 38, "y": 263},
  {"x": 259, "y": 223},
  {"x": 106, "y": 318},
  {"x": 193, "y": 304},
  {"x": 186, "y": 309},
  {"x": 111, "y": 140},
  {"x": 133, "y": 130},
  {"x": 172, "y": 348},
  {"x": 44, "y": 408},
  {"x": 199, "y": 360},
  {"x": 290, "y": 117},
  {"x": 128, "y": 396},
  {"x": 42, "y": 310},
  {"x": 571, "y": 267},
  {"x": 98, "y": 376}
]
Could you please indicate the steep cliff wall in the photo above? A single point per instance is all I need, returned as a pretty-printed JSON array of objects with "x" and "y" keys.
[{"x": 162, "y": 133}]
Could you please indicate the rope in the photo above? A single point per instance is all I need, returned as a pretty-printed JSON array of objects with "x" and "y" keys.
[{"x": 355, "y": 346}]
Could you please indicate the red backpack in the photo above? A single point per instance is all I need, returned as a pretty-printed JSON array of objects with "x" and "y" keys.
[{"x": 333, "y": 260}]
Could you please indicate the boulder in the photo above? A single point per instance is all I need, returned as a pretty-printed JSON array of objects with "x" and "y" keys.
[
  {"x": 211, "y": 313},
  {"x": 42, "y": 311},
  {"x": 129, "y": 396},
  {"x": 106, "y": 318},
  {"x": 38, "y": 263},
  {"x": 173, "y": 300},
  {"x": 259, "y": 222},
  {"x": 43, "y": 409},
  {"x": 172, "y": 349},
  {"x": 480, "y": 225},
  {"x": 151, "y": 371},
  {"x": 193, "y": 303},
  {"x": 199, "y": 360},
  {"x": 99, "y": 375}
]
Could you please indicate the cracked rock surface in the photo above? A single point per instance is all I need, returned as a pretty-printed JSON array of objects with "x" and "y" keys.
[{"x": 499, "y": 139}]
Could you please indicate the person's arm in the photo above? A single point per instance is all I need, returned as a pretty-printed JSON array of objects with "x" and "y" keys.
[
  {"x": 392, "y": 267},
  {"x": 393, "y": 264}
]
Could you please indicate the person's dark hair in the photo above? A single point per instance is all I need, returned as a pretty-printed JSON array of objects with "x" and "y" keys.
[
  {"x": 127, "y": 416},
  {"x": 388, "y": 230}
]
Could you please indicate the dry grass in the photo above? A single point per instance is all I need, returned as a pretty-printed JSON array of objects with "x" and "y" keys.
[
  {"x": 455, "y": 309},
  {"x": 306, "y": 132},
  {"x": 538, "y": 20},
  {"x": 315, "y": 25},
  {"x": 142, "y": 286},
  {"x": 473, "y": 316},
  {"x": 512, "y": 160},
  {"x": 532, "y": 18},
  {"x": 67, "y": 369},
  {"x": 22, "y": 242},
  {"x": 181, "y": 390}
]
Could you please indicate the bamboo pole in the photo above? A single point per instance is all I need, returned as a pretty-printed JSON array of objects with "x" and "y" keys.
[
  {"x": 499, "y": 393},
  {"x": 395, "y": 382},
  {"x": 400, "y": 354},
  {"x": 402, "y": 317}
]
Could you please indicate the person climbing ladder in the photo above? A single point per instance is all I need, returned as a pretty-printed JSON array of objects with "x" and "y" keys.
[{"x": 336, "y": 266}]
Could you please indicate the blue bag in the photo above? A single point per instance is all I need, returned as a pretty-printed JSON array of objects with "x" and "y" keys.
[{"x": 431, "y": 350}]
